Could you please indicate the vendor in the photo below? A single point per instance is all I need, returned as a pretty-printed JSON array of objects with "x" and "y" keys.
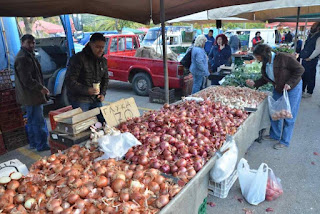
[
  {"x": 87, "y": 76},
  {"x": 220, "y": 54},
  {"x": 284, "y": 72},
  {"x": 257, "y": 39}
]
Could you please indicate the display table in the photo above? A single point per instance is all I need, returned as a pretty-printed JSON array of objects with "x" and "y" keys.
[{"x": 195, "y": 191}]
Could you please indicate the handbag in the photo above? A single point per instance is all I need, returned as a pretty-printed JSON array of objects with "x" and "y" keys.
[{"x": 186, "y": 60}]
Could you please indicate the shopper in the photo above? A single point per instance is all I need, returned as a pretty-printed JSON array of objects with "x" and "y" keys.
[
  {"x": 284, "y": 72},
  {"x": 288, "y": 37},
  {"x": 219, "y": 55},
  {"x": 234, "y": 44},
  {"x": 31, "y": 92},
  {"x": 257, "y": 39},
  {"x": 310, "y": 56},
  {"x": 210, "y": 42},
  {"x": 199, "y": 63},
  {"x": 87, "y": 76}
]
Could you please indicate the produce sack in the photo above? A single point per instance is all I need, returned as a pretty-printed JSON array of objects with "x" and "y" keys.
[
  {"x": 280, "y": 109},
  {"x": 116, "y": 146},
  {"x": 227, "y": 159},
  {"x": 253, "y": 183},
  {"x": 274, "y": 187}
]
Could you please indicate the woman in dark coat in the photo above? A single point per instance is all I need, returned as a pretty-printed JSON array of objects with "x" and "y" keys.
[{"x": 220, "y": 54}]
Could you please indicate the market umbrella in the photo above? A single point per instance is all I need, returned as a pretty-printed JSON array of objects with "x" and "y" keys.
[
  {"x": 138, "y": 10},
  {"x": 267, "y": 10},
  {"x": 203, "y": 18}
]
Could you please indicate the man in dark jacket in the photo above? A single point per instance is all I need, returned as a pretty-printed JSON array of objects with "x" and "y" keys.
[
  {"x": 87, "y": 75},
  {"x": 30, "y": 91},
  {"x": 288, "y": 37}
]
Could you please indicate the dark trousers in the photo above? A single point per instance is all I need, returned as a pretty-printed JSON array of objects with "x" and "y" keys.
[
  {"x": 309, "y": 76},
  {"x": 88, "y": 106}
]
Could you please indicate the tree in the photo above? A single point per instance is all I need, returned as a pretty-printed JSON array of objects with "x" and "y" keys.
[{"x": 28, "y": 23}]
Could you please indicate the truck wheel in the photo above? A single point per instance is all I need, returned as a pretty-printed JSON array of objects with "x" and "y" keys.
[
  {"x": 141, "y": 84},
  {"x": 62, "y": 100}
]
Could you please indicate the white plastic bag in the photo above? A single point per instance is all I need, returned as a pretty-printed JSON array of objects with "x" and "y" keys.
[
  {"x": 227, "y": 159},
  {"x": 197, "y": 99},
  {"x": 280, "y": 109},
  {"x": 253, "y": 183},
  {"x": 116, "y": 146}
]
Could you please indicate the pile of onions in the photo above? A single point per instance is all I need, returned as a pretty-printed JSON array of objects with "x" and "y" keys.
[
  {"x": 180, "y": 139},
  {"x": 74, "y": 183},
  {"x": 234, "y": 97}
]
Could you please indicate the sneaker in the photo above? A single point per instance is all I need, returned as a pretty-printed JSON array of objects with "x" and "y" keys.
[
  {"x": 44, "y": 148},
  {"x": 279, "y": 146},
  {"x": 267, "y": 137},
  {"x": 306, "y": 95}
]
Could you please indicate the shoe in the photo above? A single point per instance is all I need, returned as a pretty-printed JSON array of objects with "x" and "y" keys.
[
  {"x": 279, "y": 146},
  {"x": 44, "y": 148},
  {"x": 306, "y": 95},
  {"x": 32, "y": 147},
  {"x": 267, "y": 137}
]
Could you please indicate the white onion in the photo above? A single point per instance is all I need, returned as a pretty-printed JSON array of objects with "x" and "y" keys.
[
  {"x": 5, "y": 180},
  {"x": 16, "y": 175},
  {"x": 28, "y": 204}
]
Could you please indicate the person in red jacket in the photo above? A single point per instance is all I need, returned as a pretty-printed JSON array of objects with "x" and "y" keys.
[{"x": 257, "y": 39}]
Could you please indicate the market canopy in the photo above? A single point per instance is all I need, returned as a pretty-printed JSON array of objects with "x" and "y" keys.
[
  {"x": 134, "y": 10},
  {"x": 203, "y": 18},
  {"x": 267, "y": 10}
]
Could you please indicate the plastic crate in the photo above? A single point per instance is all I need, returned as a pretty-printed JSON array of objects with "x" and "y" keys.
[
  {"x": 157, "y": 95},
  {"x": 56, "y": 146},
  {"x": 6, "y": 79},
  {"x": 203, "y": 207},
  {"x": 12, "y": 125},
  {"x": 56, "y": 112},
  {"x": 14, "y": 114},
  {"x": 221, "y": 189},
  {"x": 7, "y": 96},
  {"x": 2, "y": 146},
  {"x": 15, "y": 139}
]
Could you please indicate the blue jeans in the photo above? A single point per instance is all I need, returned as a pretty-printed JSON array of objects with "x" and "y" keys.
[
  {"x": 197, "y": 83},
  {"x": 88, "y": 106},
  {"x": 283, "y": 129},
  {"x": 37, "y": 127},
  {"x": 233, "y": 50}
]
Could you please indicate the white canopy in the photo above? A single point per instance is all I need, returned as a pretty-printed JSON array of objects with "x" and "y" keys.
[{"x": 267, "y": 10}]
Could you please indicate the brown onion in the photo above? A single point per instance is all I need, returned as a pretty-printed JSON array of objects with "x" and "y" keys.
[
  {"x": 162, "y": 201},
  {"x": 117, "y": 185},
  {"x": 102, "y": 181}
]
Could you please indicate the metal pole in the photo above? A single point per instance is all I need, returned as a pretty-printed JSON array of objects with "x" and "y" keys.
[
  {"x": 297, "y": 25},
  {"x": 164, "y": 51}
]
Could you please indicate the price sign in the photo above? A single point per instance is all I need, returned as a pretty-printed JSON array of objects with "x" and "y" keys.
[{"x": 120, "y": 111}]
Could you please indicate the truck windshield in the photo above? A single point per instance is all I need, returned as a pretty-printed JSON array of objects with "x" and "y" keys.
[
  {"x": 41, "y": 27},
  {"x": 152, "y": 35}
]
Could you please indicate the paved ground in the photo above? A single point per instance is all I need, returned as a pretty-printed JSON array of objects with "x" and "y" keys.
[{"x": 300, "y": 178}]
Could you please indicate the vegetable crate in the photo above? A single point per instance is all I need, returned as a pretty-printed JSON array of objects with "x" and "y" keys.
[
  {"x": 7, "y": 96},
  {"x": 11, "y": 117},
  {"x": 2, "y": 146},
  {"x": 203, "y": 207},
  {"x": 157, "y": 95},
  {"x": 6, "y": 79},
  {"x": 15, "y": 139},
  {"x": 56, "y": 146},
  {"x": 221, "y": 189},
  {"x": 53, "y": 123}
]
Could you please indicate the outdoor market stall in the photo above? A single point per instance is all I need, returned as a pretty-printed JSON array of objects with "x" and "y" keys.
[{"x": 52, "y": 178}]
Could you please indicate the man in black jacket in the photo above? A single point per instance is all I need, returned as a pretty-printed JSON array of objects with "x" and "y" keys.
[
  {"x": 87, "y": 75},
  {"x": 30, "y": 91}
]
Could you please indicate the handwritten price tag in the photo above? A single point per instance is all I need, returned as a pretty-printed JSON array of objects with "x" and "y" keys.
[{"x": 120, "y": 111}]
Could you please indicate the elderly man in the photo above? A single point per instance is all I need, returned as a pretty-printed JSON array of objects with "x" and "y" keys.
[
  {"x": 87, "y": 75},
  {"x": 30, "y": 91}
]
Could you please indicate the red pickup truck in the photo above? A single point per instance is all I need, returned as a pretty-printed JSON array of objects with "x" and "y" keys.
[{"x": 143, "y": 73}]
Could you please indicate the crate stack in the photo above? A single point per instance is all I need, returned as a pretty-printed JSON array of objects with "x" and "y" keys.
[{"x": 12, "y": 124}]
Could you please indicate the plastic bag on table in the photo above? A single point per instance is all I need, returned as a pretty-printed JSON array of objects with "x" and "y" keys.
[
  {"x": 274, "y": 187},
  {"x": 253, "y": 183},
  {"x": 197, "y": 99},
  {"x": 116, "y": 146},
  {"x": 280, "y": 109},
  {"x": 227, "y": 159}
]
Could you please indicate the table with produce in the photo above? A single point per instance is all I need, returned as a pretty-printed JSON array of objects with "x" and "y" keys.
[{"x": 167, "y": 172}]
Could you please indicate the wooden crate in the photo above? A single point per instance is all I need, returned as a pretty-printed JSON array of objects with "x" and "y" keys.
[
  {"x": 157, "y": 95},
  {"x": 15, "y": 139},
  {"x": 52, "y": 115},
  {"x": 74, "y": 129}
]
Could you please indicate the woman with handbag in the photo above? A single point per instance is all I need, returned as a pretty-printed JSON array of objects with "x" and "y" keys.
[
  {"x": 284, "y": 72},
  {"x": 199, "y": 63}
]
